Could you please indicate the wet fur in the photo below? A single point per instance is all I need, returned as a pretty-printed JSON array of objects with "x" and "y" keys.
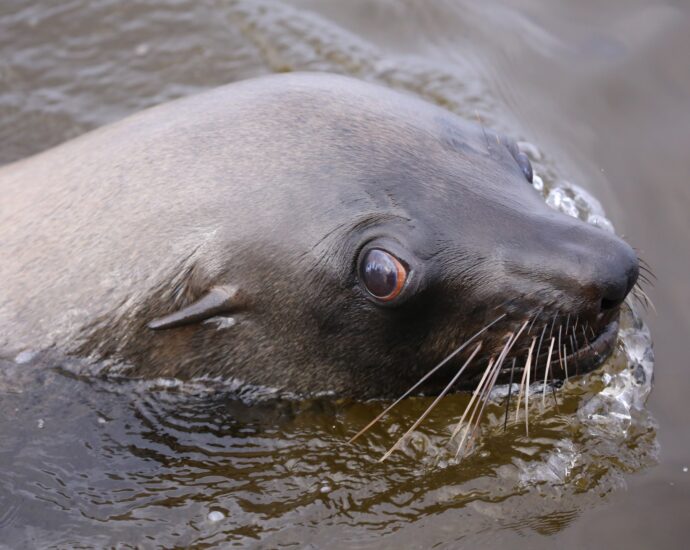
[{"x": 273, "y": 185}]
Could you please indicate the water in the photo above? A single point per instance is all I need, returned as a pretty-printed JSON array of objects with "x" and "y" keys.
[
  {"x": 601, "y": 90},
  {"x": 88, "y": 461}
]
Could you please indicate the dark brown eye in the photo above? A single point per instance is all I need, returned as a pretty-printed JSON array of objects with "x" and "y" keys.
[{"x": 382, "y": 274}]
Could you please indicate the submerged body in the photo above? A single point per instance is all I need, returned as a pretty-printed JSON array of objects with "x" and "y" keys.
[{"x": 254, "y": 231}]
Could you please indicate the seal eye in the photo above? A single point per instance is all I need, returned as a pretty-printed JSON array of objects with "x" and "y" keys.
[
  {"x": 382, "y": 274},
  {"x": 525, "y": 165}
]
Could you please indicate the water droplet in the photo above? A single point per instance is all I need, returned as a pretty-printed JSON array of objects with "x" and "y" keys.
[
  {"x": 601, "y": 222},
  {"x": 142, "y": 49},
  {"x": 537, "y": 183},
  {"x": 24, "y": 357},
  {"x": 216, "y": 516}
]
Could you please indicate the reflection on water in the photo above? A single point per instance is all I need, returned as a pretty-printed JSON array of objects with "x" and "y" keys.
[{"x": 93, "y": 462}]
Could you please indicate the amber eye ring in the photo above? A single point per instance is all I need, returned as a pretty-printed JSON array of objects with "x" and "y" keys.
[{"x": 382, "y": 274}]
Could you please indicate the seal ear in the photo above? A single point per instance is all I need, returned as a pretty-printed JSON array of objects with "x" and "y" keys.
[{"x": 218, "y": 300}]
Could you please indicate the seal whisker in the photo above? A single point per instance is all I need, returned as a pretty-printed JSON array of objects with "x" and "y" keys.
[
  {"x": 646, "y": 278},
  {"x": 476, "y": 392},
  {"x": 427, "y": 375},
  {"x": 555, "y": 400},
  {"x": 646, "y": 298},
  {"x": 520, "y": 389},
  {"x": 525, "y": 384},
  {"x": 484, "y": 400},
  {"x": 645, "y": 263},
  {"x": 510, "y": 388},
  {"x": 536, "y": 357},
  {"x": 546, "y": 373},
  {"x": 565, "y": 344},
  {"x": 522, "y": 384},
  {"x": 644, "y": 266},
  {"x": 635, "y": 295},
  {"x": 565, "y": 361},
  {"x": 573, "y": 342},
  {"x": 576, "y": 346},
  {"x": 433, "y": 404},
  {"x": 553, "y": 324},
  {"x": 560, "y": 355},
  {"x": 643, "y": 277},
  {"x": 479, "y": 390},
  {"x": 588, "y": 344},
  {"x": 536, "y": 315}
]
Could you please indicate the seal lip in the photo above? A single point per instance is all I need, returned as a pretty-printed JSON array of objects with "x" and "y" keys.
[
  {"x": 588, "y": 357},
  {"x": 597, "y": 351}
]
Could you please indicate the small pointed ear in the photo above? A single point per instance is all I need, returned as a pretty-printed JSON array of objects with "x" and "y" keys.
[{"x": 217, "y": 301}]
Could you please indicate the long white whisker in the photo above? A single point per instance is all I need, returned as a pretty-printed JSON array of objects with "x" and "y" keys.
[
  {"x": 565, "y": 361},
  {"x": 527, "y": 368},
  {"x": 510, "y": 390},
  {"x": 525, "y": 376},
  {"x": 480, "y": 388},
  {"x": 426, "y": 377},
  {"x": 476, "y": 392},
  {"x": 560, "y": 356},
  {"x": 647, "y": 299},
  {"x": 536, "y": 356},
  {"x": 484, "y": 399},
  {"x": 546, "y": 373},
  {"x": 435, "y": 402}
]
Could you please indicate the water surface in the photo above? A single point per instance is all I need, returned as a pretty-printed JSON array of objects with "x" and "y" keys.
[{"x": 601, "y": 89}]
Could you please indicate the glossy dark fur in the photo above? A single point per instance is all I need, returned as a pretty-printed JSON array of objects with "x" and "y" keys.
[{"x": 271, "y": 187}]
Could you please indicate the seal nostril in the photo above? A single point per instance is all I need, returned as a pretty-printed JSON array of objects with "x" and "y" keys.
[
  {"x": 617, "y": 290},
  {"x": 618, "y": 277}
]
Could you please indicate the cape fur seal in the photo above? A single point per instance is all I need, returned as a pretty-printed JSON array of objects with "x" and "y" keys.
[{"x": 307, "y": 232}]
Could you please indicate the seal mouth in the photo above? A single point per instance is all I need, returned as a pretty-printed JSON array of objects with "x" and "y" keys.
[
  {"x": 596, "y": 351},
  {"x": 584, "y": 356},
  {"x": 553, "y": 354}
]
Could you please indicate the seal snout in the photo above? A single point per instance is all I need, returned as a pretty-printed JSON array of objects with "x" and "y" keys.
[{"x": 592, "y": 271}]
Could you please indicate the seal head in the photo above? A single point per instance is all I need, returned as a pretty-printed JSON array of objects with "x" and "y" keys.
[{"x": 308, "y": 232}]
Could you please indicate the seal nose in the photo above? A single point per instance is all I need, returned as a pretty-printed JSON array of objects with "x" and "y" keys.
[
  {"x": 617, "y": 275},
  {"x": 594, "y": 270}
]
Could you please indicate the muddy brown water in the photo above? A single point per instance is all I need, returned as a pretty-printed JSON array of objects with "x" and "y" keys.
[{"x": 603, "y": 90}]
